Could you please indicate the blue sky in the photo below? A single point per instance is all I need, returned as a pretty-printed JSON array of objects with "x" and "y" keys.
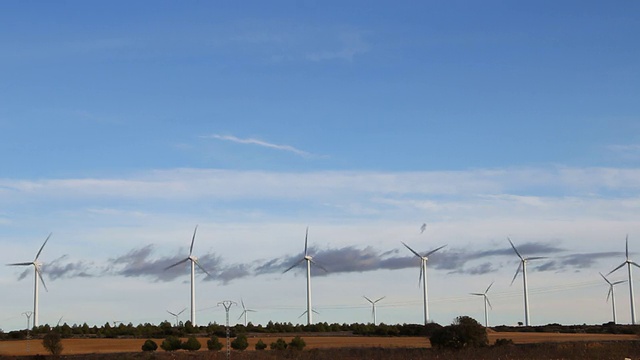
[{"x": 123, "y": 125}]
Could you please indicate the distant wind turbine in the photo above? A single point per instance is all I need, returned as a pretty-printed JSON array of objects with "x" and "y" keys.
[
  {"x": 423, "y": 276},
  {"x": 309, "y": 260},
  {"x": 244, "y": 312},
  {"x": 523, "y": 266},
  {"x": 628, "y": 262},
  {"x": 177, "y": 315},
  {"x": 194, "y": 262},
  {"x": 486, "y": 302},
  {"x": 37, "y": 268},
  {"x": 611, "y": 294},
  {"x": 373, "y": 304}
]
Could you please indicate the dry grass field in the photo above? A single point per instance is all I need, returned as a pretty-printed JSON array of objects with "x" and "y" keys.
[{"x": 96, "y": 346}]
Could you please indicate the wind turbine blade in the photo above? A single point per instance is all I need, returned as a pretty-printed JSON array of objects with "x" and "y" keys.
[
  {"x": 315, "y": 312},
  {"x": 477, "y": 294},
  {"x": 516, "y": 275},
  {"x": 193, "y": 239},
  {"x": 42, "y": 247},
  {"x": 369, "y": 300},
  {"x": 434, "y": 250},
  {"x": 488, "y": 302},
  {"x": 176, "y": 264},
  {"x": 172, "y": 313},
  {"x": 413, "y": 251},
  {"x": 605, "y": 279},
  {"x": 490, "y": 285},
  {"x": 21, "y": 264},
  {"x": 621, "y": 265},
  {"x": 609, "y": 293},
  {"x": 514, "y": 249},
  {"x": 619, "y": 282},
  {"x": 634, "y": 264},
  {"x": 294, "y": 265},
  {"x": 42, "y": 279},
  {"x": 201, "y": 268},
  {"x": 181, "y": 311},
  {"x": 320, "y": 266},
  {"x": 301, "y": 315},
  {"x": 241, "y": 315},
  {"x": 243, "y": 307},
  {"x": 626, "y": 246},
  {"x": 536, "y": 258},
  {"x": 380, "y": 299},
  {"x": 306, "y": 237},
  {"x": 420, "y": 277}
]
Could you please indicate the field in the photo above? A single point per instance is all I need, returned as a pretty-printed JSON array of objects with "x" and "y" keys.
[{"x": 104, "y": 346}]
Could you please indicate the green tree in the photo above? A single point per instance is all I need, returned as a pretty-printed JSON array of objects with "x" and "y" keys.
[
  {"x": 240, "y": 342},
  {"x": 149, "y": 345},
  {"x": 260, "y": 345},
  {"x": 52, "y": 341},
  {"x": 279, "y": 344},
  {"x": 192, "y": 344},
  {"x": 462, "y": 333},
  {"x": 171, "y": 343},
  {"x": 297, "y": 343},
  {"x": 214, "y": 344}
]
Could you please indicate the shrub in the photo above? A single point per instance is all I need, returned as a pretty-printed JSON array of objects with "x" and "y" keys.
[
  {"x": 278, "y": 345},
  {"x": 240, "y": 342},
  {"x": 192, "y": 344},
  {"x": 503, "y": 342},
  {"x": 52, "y": 341},
  {"x": 463, "y": 332},
  {"x": 149, "y": 345},
  {"x": 260, "y": 345},
  {"x": 171, "y": 343},
  {"x": 214, "y": 344},
  {"x": 297, "y": 343}
]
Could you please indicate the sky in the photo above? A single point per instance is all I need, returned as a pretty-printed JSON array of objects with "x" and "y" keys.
[{"x": 123, "y": 125}]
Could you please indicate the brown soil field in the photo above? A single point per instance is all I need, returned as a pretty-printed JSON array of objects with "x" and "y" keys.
[{"x": 95, "y": 346}]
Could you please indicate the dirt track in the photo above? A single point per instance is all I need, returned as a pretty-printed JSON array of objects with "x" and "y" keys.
[{"x": 88, "y": 346}]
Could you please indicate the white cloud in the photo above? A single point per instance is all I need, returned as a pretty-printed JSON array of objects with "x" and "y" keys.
[{"x": 262, "y": 143}]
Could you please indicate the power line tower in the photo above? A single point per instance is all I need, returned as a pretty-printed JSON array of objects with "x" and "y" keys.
[
  {"x": 28, "y": 315},
  {"x": 227, "y": 305}
]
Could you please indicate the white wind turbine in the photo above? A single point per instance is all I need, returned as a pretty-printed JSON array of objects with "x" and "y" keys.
[
  {"x": 486, "y": 302},
  {"x": 523, "y": 266},
  {"x": 373, "y": 304},
  {"x": 37, "y": 268},
  {"x": 194, "y": 262},
  {"x": 423, "y": 276},
  {"x": 244, "y": 312},
  {"x": 309, "y": 260},
  {"x": 611, "y": 294},
  {"x": 177, "y": 315},
  {"x": 628, "y": 263}
]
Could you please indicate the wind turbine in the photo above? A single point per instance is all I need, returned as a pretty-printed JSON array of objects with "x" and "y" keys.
[
  {"x": 486, "y": 302},
  {"x": 612, "y": 294},
  {"x": 177, "y": 314},
  {"x": 628, "y": 263},
  {"x": 523, "y": 266},
  {"x": 194, "y": 262},
  {"x": 38, "y": 275},
  {"x": 373, "y": 304},
  {"x": 423, "y": 276},
  {"x": 244, "y": 312},
  {"x": 309, "y": 260}
]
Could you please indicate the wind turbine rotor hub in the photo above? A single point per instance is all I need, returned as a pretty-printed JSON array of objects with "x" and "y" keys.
[{"x": 307, "y": 257}]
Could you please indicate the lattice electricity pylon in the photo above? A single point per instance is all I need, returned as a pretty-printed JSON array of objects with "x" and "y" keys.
[
  {"x": 227, "y": 305},
  {"x": 28, "y": 315}
]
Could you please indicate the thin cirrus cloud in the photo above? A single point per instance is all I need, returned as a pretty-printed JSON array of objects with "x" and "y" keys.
[{"x": 252, "y": 141}]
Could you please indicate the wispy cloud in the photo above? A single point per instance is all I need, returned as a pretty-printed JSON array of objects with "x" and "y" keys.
[
  {"x": 626, "y": 152},
  {"x": 258, "y": 142},
  {"x": 352, "y": 44}
]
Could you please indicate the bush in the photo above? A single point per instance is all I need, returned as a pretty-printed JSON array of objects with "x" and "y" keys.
[
  {"x": 192, "y": 344},
  {"x": 240, "y": 342},
  {"x": 149, "y": 345},
  {"x": 297, "y": 343},
  {"x": 171, "y": 343},
  {"x": 214, "y": 344},
  {"x": 52, "y": 341},
  {"x": 260, "y": 345},
  {"x": 278, "y": 345},
  {"x": 462, "y": 333},
  {"x": 503, "y": 342}
]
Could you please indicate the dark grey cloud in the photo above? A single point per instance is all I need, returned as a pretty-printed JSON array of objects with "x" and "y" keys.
[
  {"x": 575, "y": 261},
  {"x": 62, "y": 268}
]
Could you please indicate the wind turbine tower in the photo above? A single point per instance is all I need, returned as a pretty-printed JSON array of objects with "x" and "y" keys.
[
  {"x": 309, "y": 260},
  {"x": 373, "y": 304},
  {"x": 523, "y": 266},
  {"x": 486, "y": 302},
  {"x": 423, "y": 276},
  {"x": 37, "y": 268},
  {"x": 611, "y": 294},
  {"x": 628, "y": 262},
  {"x": 194, "y": 263}
]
